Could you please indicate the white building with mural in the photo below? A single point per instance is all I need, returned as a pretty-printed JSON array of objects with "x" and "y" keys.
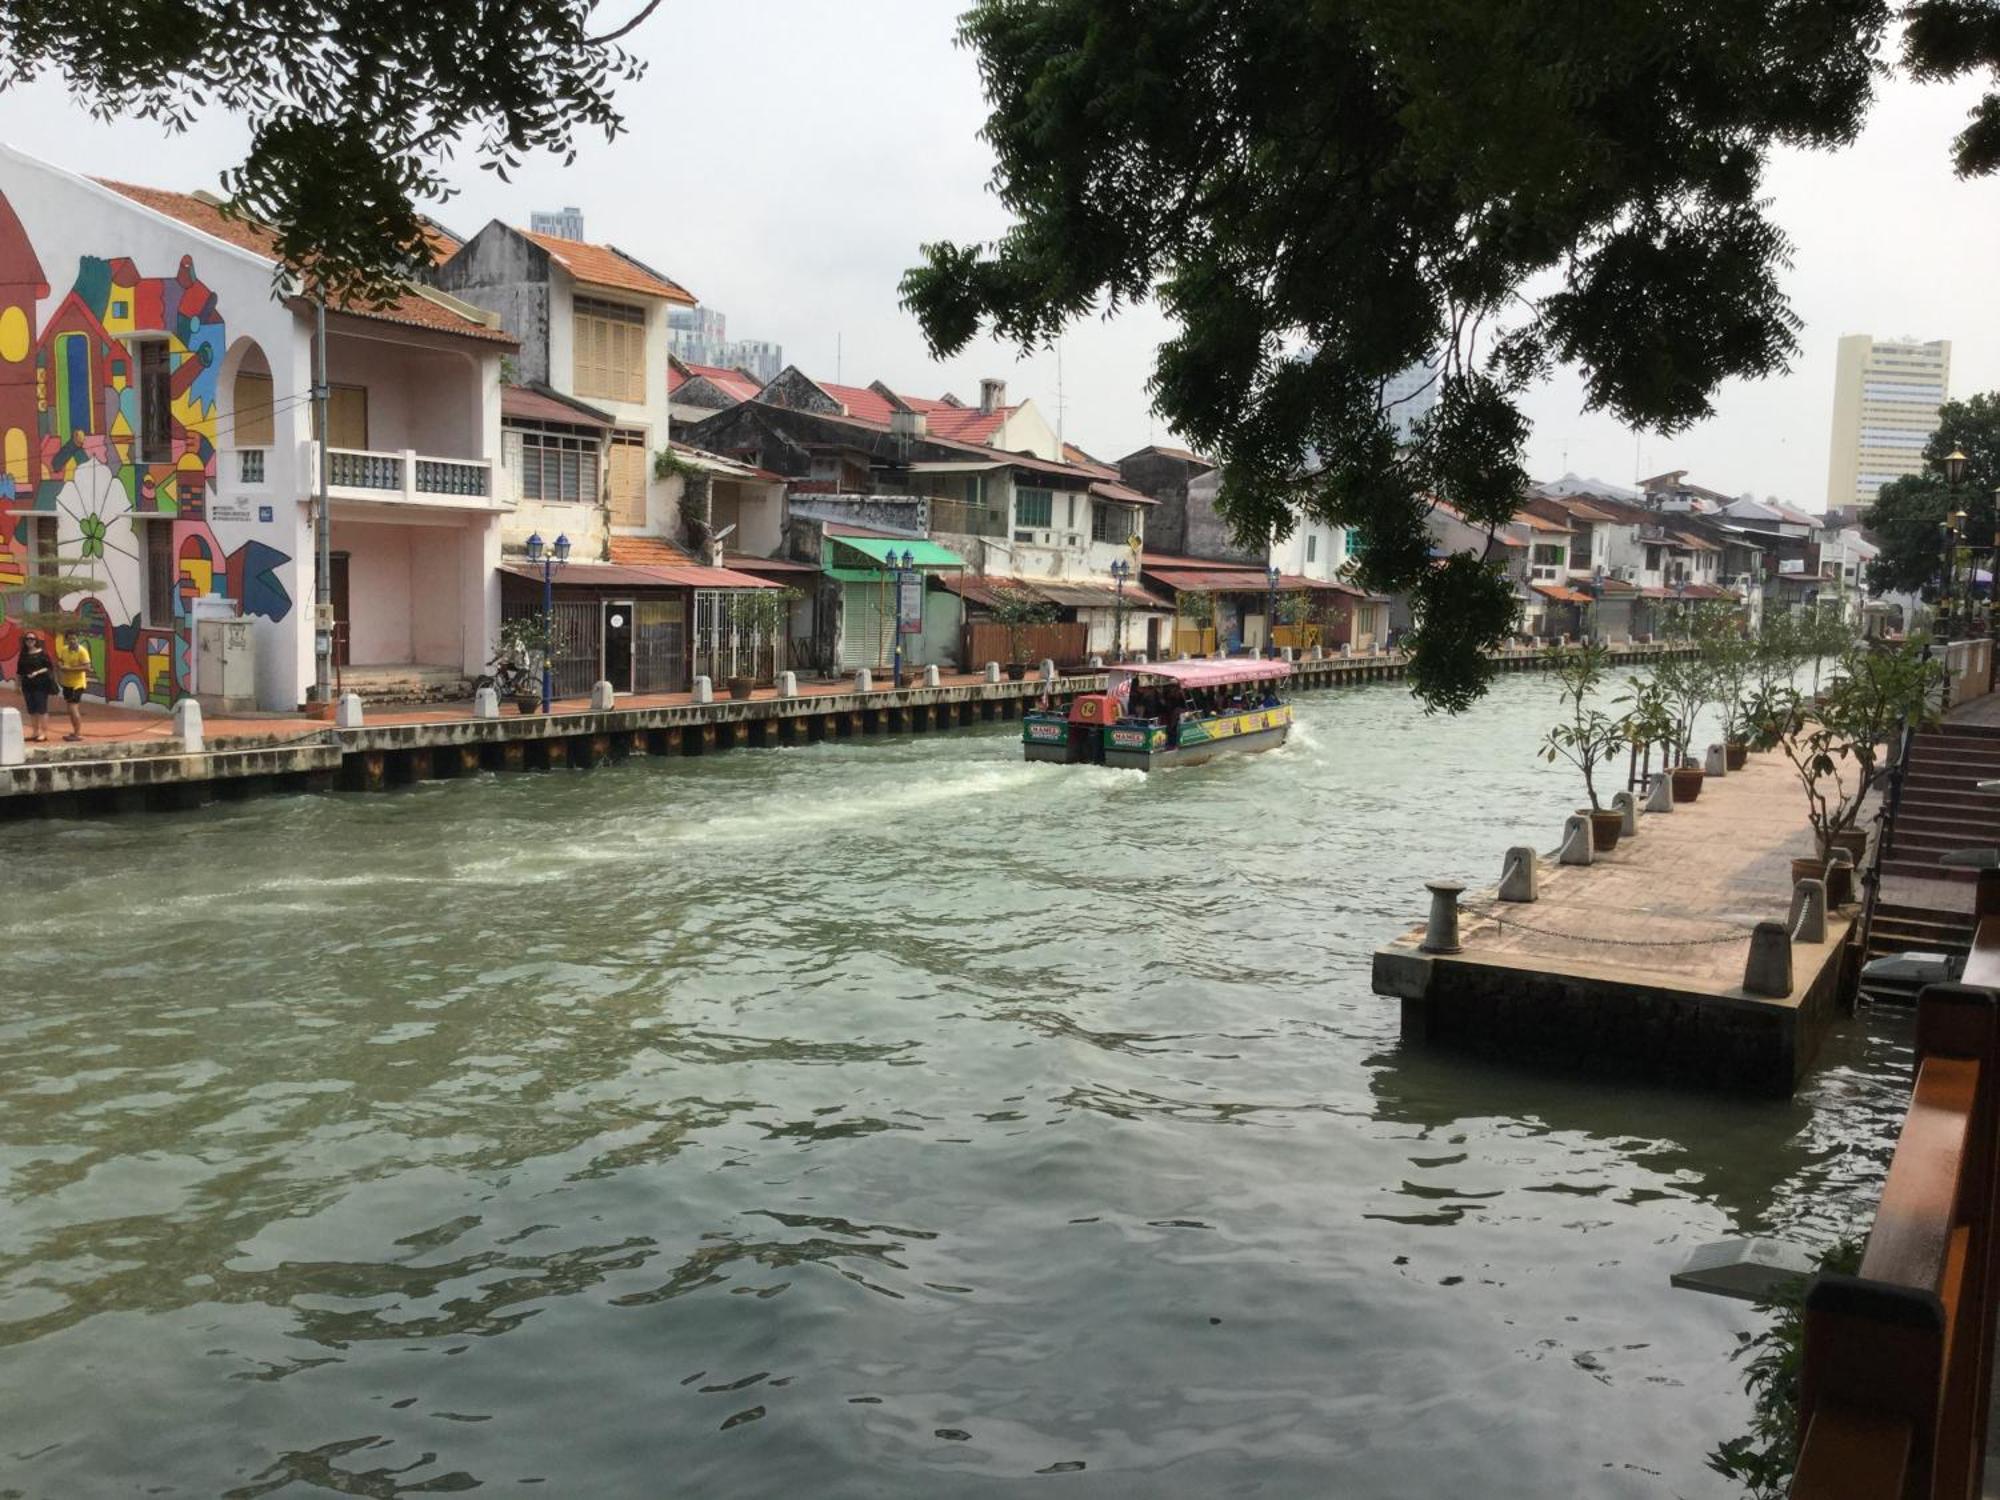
[{"x": 156, "y": 426}]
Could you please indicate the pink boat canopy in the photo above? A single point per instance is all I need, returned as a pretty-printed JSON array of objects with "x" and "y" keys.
[{"x": 1208, "y": 674}]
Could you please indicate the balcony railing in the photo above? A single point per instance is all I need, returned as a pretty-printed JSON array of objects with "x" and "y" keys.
[{"x": 409, "y": 478}]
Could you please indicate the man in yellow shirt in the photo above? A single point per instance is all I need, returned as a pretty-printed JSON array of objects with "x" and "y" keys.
[{"x": 72, "y": 676}]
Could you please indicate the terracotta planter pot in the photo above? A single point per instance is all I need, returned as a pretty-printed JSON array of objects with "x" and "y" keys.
[
  {"x": 741, "y": 687},
  {"x": 1734, "y": 754},
  {"x": 1687, "y": 783},
  {"x": 1807, "y": 869},
  {"x": 1854, "y": 841},
  {"x": 1016, "y": 670},
  {"x": 1605, "y": 828},
  {"x": 528, "y": 703},
  {"x": 1839, "y": 883}
]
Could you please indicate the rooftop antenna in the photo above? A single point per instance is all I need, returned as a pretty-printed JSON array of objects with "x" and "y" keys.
[{"x": 1060, "y": 408}]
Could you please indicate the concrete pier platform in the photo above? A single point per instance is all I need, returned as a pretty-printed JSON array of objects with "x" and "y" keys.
[{"x": 1634, "y": 964}]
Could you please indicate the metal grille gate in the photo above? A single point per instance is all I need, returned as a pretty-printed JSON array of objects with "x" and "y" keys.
[
  {"x": 576, "y": 645},
  {"x": 659, "y": 646}
]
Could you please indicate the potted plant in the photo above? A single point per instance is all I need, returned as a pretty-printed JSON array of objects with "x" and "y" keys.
[
  {"x": 518, "y": 661},
  {"x": 1648, "y": 725},
  {"x": 765, "y": 615},
  {"x": 1299, "y": 614},
  {"x": 1016, "y": 610},
  {"x": 1585, "y": 735},
  {"x": 1730, "y": 658},
  {"x": 1837, "y": 742},
  {"x": 1683, "y": 685},
  {"x": 1199, "y": 610}
]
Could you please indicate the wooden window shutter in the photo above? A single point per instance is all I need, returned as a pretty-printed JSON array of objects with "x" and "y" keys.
[
  {"x": 254, "y": 425},
  {"x": 628, "y": 479}
]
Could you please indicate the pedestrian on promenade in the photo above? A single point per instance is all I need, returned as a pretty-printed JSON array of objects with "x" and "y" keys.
[
  {"x": 35, "y": 670},
  {"x": 72, "y": 674}
]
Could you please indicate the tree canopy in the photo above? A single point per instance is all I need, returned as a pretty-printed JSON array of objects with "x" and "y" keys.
[
  {"x": 1322, "y": 195},
  {"x": 355, "y": 108},
  {"x": 1907, "y": 512}
]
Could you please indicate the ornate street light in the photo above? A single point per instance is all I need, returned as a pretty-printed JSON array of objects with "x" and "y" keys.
[
  {"x": 901, "y": 569},
  {"x": 1120, "y": 571},
  {"x": 550, "y": 559},
  {"x": 1954, "y": 466},
  {"x": 1271, "y": 614}
]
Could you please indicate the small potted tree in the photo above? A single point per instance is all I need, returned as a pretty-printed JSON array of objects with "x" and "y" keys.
[
  {"x": 1730, "y": 659},
  {"x": 1016, "y": 610},
  {"x": 1685, "y": 690},
  {"x": 520, "y": 657},
  {"x": 766, "y": 617},
  {"x": 1585, "y": 735},
  {"x": 1299, "y": 614},
  {"x": 1198, "y": 609},
  {"x": 1648, "y": 724},
  {"x": 1837, "y": 742}
]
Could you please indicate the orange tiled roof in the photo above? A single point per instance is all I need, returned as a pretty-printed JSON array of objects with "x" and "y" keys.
[
  {"x": 601, "y": 265},
  {"x": 650, "y": 552},
  {"x": 412, "y": 309}
]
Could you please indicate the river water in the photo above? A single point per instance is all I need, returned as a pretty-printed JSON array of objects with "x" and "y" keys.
[{"x": 870, "y": 1119}]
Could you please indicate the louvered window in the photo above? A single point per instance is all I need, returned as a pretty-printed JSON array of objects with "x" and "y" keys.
[{"x": 610, "y": 343}]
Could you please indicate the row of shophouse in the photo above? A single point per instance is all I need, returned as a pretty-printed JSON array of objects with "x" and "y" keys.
[{"x": 158, "y": 427}]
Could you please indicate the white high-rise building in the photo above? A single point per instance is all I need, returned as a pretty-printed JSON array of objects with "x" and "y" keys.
[
  {"x": 700, "y": 335},
  {"x": 566, "y": 225},
  {"x": 1408, "y": 398},
  {"x": 1886, "y": 397}
]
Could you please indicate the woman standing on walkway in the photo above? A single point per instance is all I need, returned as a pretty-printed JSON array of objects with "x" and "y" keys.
[
  {"x": 72, "y": 676},
  {"x": 36, "y": 671}
]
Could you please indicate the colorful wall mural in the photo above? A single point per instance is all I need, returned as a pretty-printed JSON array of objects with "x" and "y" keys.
[{"x": 108, "y": 412}]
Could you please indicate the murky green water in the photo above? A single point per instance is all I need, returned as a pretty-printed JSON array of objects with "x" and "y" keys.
[{"x": 864, "y": 1120}]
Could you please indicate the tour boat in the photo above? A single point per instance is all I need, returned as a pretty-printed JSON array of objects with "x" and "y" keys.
[{"x": 1166, "y": 714}]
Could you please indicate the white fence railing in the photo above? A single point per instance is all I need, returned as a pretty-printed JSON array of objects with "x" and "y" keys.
[{"x": 408, "y": 476}]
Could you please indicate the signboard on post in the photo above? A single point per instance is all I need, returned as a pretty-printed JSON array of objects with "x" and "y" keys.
[{"x": 910, "y": 602}]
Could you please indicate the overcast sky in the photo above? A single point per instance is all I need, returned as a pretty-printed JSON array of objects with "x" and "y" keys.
[{"x": 784, "y": 162}]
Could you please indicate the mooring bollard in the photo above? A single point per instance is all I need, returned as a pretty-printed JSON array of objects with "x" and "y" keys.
[
  {"x": 1285, "y": 653},
  {"x": 1517, "y": 875},
  {"x": 931, "y": 678},
  {"x": 1347, "y": 648},
  {"x": 1661, "y": 798},
  {"x": 1140, "y": 660},
  {"x": 1768, "y": 968},
  {"x": 1576, "y": 840},
  {"x": 704, "y": 690},
  {"x": 1186, "y": 657},
  {"x": 993, "y": 671},
  {"x": 1317, "y": 653},
  {"x": 1441, "y": 931},
  {"x": 347, "y": 712},
  {"x": 788, "y": 684},
  {"x": 1048, "y": 669},
  {"x": 1808, "y": 922},
  {"x": 486, "y": 704},
  {"x": 187, "y": 726},
  {"x": 1096, "y": 663},
  {"x": 1627, "y": 807},
  {"x": 864, "y": 681},
  {"x": 1716, "y": 764},
  {"x": 603, "y": 697},
  {"x": 13, "y": 743}
]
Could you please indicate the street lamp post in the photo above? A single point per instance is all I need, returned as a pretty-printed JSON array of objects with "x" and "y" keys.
[
  {"x": 1120, "y": 571},
  {"x": 550, "y": 558},
  {"x": 1953, "y": 464},
  {"x": 1271, "y": 614},
  {"x": 902, "y": 571}
]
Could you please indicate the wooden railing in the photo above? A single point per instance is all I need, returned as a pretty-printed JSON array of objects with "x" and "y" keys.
[{"x": 1898, "y": 1361}]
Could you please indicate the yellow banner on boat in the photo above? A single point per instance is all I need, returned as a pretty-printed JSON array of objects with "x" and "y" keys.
[{"x": 1228, "y": 726}]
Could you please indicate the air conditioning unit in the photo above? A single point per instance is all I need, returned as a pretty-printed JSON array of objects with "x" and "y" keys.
[{"x": 1625, "y": 573}]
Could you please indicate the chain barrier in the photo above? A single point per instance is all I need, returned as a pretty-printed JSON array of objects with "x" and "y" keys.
[{"x": 1734, "y": 935}]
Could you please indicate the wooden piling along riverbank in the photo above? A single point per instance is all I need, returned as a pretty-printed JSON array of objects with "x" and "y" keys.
[
  {"x": 155, "y": 772},
  {"x": 1635, "y": 964}
]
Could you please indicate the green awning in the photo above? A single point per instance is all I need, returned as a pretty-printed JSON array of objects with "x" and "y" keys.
[{"x": 876, "y": 548}]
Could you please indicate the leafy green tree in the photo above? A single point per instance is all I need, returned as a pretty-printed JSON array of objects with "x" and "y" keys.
[
  {"x": 1320, "y": 195},
  {"x": 1908, "y": 511},
  {"x": 355, "y": 109},
  {"x": 1585, "y": 735}
]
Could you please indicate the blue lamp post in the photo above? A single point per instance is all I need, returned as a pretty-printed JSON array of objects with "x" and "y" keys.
[
  {"x": 550, "y": 558},
  {"x": 903, "y": 572},
  {"x": 1271, "y": 614},
  {"x": 1120, "y": 571}
]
